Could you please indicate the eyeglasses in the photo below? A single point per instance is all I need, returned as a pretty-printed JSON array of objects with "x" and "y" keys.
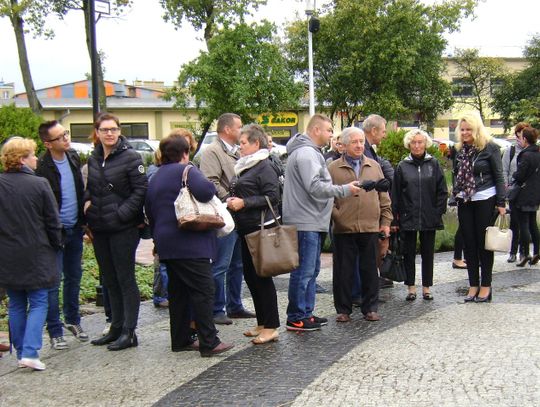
[
  {"x": 64, "y": 135},
  {"x": 105, "y": 130}
]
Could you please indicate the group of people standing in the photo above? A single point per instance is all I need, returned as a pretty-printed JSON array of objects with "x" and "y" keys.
[{"x": 354, "y": 190}]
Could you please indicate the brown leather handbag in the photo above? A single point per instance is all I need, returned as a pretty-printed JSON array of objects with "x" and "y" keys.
[{"x": 274, "y": 250}]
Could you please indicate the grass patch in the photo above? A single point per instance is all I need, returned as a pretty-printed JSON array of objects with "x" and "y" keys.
[{"x": 90, "y": 278}]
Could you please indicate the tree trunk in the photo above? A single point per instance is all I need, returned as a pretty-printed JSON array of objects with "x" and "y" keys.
[
  {"x": 101, "y": 82},
  {"x": 18, "y": 28}
]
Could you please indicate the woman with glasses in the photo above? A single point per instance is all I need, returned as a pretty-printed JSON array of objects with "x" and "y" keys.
[
  {"x": 527, "y": 177},
  {"x": 113, "y": 205}
]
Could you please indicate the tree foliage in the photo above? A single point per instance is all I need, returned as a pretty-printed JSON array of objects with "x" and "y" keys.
[
  {"x": 519, "y": 97},
  {"x": 17, "y": 121},
  {"x": 379, "y": 56},
  {"x": 392, "y": 148},
  {"x": 243, "y": 72},
  {"x": 208, "y": 15},
  {"x": 479, "y": 74}
]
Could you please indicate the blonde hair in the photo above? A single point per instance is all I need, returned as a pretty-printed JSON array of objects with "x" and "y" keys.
[
  {"x": 15, "y": 149},
  {"x": 479, "y": 133},
  {"x": 410, "y": 135},
  {"x": 181, "y": 132}
]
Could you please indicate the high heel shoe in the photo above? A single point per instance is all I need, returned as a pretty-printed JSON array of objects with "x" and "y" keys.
[
  {"x": 535, "y": 259},
  {"x": 523, "y": 261},
  {"x": 471, "y": 298},
  {"x": 484, "y": 299}
]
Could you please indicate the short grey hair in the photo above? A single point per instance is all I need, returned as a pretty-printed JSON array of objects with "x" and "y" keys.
[
  {"x": 255, "y": 133},
  {"x": 410, "y": 135},
  {"x": 348, "y": 132},
  {"x": 373, "y": 121}
]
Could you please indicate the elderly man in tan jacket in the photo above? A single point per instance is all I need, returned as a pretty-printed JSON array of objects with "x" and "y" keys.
[{"x": 358, "y": 221}]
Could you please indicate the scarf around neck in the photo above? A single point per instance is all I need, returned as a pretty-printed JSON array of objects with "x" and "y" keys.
[
  {"x": 248, "y": 161},
  {"x": 465, "y": 177}
]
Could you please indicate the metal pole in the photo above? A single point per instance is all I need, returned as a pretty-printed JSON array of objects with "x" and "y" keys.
[
  {"x": 93, "y": 58},
  {"x": 310, "y": 68}
]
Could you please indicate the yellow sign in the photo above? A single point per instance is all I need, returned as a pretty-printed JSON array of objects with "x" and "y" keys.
[{"x": 281, "y": 119}]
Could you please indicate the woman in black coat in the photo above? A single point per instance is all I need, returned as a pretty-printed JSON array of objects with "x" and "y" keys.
[
  {"x": 255, "y": 179},
  {"x": 419, "y": 200},
  {"x": 527, "y": 176},
  {"x": 30, "y": 237},
  {"x": 114, "y": 201},
  {"x": 480, "y": 192}
]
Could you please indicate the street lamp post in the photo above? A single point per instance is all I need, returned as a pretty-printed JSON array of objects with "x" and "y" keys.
[{"x": 310, "y": 10}]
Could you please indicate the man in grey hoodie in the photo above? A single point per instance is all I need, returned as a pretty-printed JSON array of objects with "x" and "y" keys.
[{"x": 308, "y": 198}]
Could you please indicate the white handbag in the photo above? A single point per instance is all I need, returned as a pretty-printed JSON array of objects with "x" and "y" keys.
[
  {"x": 194, "y": 215},
  {"x": 499, "y": 237},
  {"x": 227, "y": 218}
]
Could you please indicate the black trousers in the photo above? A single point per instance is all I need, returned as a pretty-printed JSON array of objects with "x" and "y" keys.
[
  {"x": 528, "y": 231},
  {"x": 514, "y": 227},
  {"x": 348, "y": 247},
  {"x": 427, "y": 250},
  {"x": 115, "y": 254},
  {"x": 474, "y": 217},
  {"x": 191, "y": 282},
  {"x": 262, "y": 289},
  {"x": 458, "y": 245}
]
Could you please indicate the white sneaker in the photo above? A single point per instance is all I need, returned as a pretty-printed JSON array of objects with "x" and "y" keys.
[
  {"x": 19, "y": 363},
  {"x": 107, "y": 329},
  {"x": 35, "y": 364}
]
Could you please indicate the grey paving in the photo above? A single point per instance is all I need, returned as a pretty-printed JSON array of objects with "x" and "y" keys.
[{"x": 423, "y": 353}]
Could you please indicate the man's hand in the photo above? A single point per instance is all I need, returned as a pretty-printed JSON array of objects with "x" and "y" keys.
[{"x": 353, "y": 186}]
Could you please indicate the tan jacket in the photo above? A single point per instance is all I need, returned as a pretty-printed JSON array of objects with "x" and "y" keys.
[
  {"x": 365, "y": 212},
  {"x": 217, "y": 164}
]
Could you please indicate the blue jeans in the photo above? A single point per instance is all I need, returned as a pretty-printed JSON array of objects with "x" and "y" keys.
[
  {"x": 27, "y": 313},
  {"x": 69, "y": 265},
  {"x": 161, "y": 282},
  {"x": 228, "y": 269},
  {"x": 302, "y": 280}
]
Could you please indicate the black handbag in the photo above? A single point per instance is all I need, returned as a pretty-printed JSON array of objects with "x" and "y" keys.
[
  {"x": 513, "y": 192},
  {"x": 393, "y": 267}
]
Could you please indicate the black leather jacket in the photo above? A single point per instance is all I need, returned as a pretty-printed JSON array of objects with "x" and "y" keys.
[
  {"x": 528, "y": 176},
  {"x": 487, "y": 169}
]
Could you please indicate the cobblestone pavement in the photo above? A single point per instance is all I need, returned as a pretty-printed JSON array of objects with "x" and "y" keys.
[{"x": 439, "y": 353}]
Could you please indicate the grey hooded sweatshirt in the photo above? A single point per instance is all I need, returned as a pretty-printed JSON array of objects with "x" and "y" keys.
[{"x": 308, "y": 195}]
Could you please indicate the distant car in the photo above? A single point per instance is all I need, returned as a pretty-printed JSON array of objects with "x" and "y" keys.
[
  {"x": 146, "y": 148},
  {"x": 502, "y": 143},
  {"x": 279, "y": 149},
  {"x": 82, "y": 148},
  {"x": 207, "y": 140}
]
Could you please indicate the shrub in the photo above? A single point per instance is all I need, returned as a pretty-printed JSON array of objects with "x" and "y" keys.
[
  {"x": 16, "y": 121},
  {"x": 393, "y": 150}
]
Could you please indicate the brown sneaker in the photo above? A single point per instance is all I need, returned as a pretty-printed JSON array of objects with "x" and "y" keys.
[{"x": 222, "y": 347}]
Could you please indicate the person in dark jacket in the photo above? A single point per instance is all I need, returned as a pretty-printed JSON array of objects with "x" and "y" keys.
[
  {"x": 187, "y": 254},
  {"x": 256, "y": 179},
  {"x": 30, "y": 236},
  {"x": 479, "y": 190},
  {"x": 114, "y": 201},
  {"x": 420, "y": 194},
  {"x": 61, "y": 166},
  {"x": 527, "y": 176}
]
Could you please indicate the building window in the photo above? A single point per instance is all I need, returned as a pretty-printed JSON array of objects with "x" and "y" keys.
[
  {"x": 5, "y": 95},
  {"x": 135, "y": 130},
  {"x": 461, "y": 89},
  {"x": 81, "y": 132},
  {"x": 495, "y": 86}
]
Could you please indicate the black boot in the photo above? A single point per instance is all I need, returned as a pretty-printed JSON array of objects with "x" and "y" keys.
[
  {"x": 113, "y": 335},
  {"x": 126, "y": 340}
]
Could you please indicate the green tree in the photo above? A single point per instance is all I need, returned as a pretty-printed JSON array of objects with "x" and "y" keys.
[
  {"x": 379, "y": 56},
  {"x": 17, "y": 121},
  {"x": 244, "y": 72},
  {"x": 27, "y": 15},
  {"x": 478, "y": 74},
  {"x": 519, "y": 97},
  {"x": 207, "y": 15},
  {"x": 393, "y": 150}
]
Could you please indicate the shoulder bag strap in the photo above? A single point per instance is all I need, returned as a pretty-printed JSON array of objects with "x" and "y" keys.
[{"x": 272, "y": 210}]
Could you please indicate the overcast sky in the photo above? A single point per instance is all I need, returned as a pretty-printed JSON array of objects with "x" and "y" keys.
[{"x": 142, "y": 46}]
